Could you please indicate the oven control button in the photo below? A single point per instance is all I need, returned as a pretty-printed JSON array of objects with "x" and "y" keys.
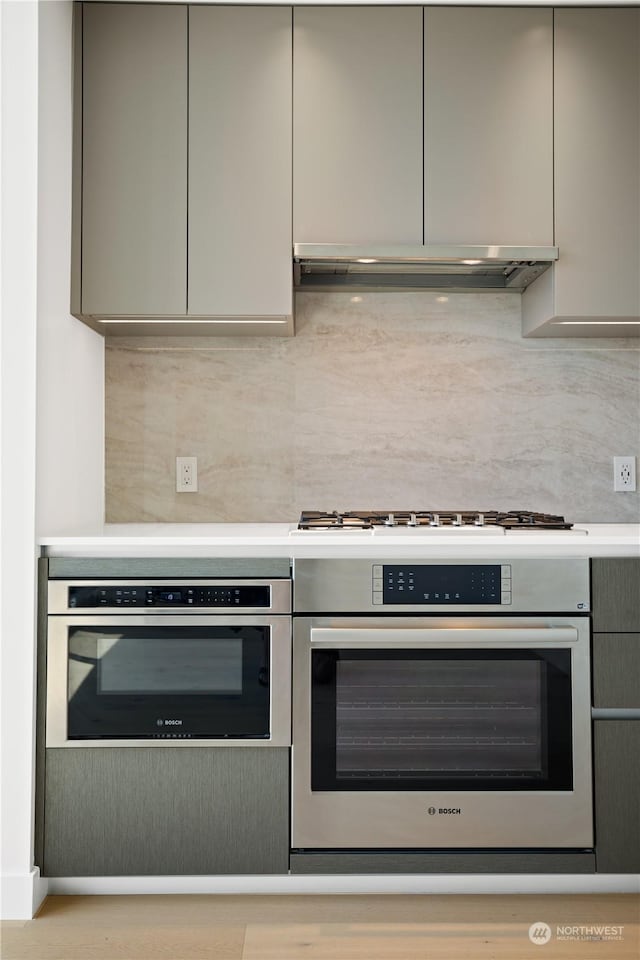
[
  {"x": 377, "y": 570},
  {"x": 506, "y": 597},
  {"x": 506, "y": 585},
  {"x": 506, "y": 569},
  {"x": 377, "y": 584},
  {"x": 377, "y": 597}
]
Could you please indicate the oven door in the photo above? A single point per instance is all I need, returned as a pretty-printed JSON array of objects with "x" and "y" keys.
[
  {"x": 168, "y": 681},
  {"x": 422, "y": 733}
]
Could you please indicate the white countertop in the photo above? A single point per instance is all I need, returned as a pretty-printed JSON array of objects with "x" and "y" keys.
[{"x": 284, "y": 540}]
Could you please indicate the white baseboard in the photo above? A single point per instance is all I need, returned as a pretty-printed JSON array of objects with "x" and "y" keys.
[
  {"x": 22, "y": 894},
  {"x": 397, "y": 884}
]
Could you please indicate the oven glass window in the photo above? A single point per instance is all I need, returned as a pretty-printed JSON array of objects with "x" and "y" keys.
[
  {"x": 463, "y": 719},
  {"x": 131, "y": 682}
]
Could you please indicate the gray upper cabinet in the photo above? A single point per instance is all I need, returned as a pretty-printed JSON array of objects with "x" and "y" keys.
[
  {"x": 357, "y": 125},
  {"x": 134, "y": 159},
  {"x": 488, "y": 143},
  {"x": 208, "y": 138},
  {"x": 239, "y": 161},
  {"x": 184, "y": 166},
  {"x": 594, "y": 289}
]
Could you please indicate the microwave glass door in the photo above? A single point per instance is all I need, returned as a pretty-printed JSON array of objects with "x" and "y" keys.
[
  {"x": 167, "y": 681},
  {"x": 449, "y": 719}
]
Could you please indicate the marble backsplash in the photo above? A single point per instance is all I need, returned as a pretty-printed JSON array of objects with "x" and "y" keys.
[{"x": 405, "y": 400}]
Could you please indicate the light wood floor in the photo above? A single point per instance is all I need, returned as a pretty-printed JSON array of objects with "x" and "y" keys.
[{"x": 320, "y": 928}]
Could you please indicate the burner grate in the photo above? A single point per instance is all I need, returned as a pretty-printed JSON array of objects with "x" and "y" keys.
[{"x": 367, "y": 519}]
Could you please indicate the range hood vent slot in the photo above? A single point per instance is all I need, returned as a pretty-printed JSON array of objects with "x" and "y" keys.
[{"x": 468, "y": 269}]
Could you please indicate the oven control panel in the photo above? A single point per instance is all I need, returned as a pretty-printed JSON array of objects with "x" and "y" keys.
[
  {"x": 148, "y": 595},
  {"x": 438, "y": 584}
]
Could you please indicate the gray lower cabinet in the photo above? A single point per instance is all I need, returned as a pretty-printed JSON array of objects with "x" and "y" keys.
[
  {"x": 617, "y": 795},
  {"x": 166, "y": 811},
  {"x": 615, "y": 592}
]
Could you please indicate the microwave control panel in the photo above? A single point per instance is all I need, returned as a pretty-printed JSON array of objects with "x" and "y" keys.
[
  {"x": 437, "y": 584},
  {"x": 190, "y": 595}
]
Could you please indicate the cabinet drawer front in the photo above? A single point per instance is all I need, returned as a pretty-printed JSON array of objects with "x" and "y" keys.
[
  {"x": 616, "y": 670},
  {"x": 617, "y": 795},
  {"x": 615, "y": 594},
  {"x": 140, "y": 812}
]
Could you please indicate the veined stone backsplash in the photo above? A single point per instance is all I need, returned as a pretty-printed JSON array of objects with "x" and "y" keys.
[{"x": 408, "y": 400}]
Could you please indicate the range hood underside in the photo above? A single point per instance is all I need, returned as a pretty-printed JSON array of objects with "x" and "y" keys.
[{"x": 448, "y": 268}]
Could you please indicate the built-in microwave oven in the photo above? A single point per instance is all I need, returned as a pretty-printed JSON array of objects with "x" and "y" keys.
[{"x": 168, "y": 663}]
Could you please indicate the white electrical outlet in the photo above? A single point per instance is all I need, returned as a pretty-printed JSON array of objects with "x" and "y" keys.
[
  {"x": 186, "y": 474},
  {"x": 624, "y": 474}
]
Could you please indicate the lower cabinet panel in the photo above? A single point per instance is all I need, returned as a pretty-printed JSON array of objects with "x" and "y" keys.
[
  {"x": 616, "y": 746},
  {"x": 463, "y": 862},
  {"x": 174, "y": 811}
]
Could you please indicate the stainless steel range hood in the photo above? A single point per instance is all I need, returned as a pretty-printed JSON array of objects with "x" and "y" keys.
[{"x": 463, "y": 269}]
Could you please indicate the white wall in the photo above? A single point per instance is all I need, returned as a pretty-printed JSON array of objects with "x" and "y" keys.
[
  {"x": 70, "y": 363},
  {"x": 18, "y": 41},
  {"x": 52, "y": 445}
]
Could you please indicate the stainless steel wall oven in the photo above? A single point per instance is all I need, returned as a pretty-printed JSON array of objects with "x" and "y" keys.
[
  {"x": 168, "y": 662},
  {"x": 441, "y": 704}
]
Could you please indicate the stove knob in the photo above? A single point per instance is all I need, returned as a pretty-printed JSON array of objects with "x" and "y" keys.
[
  {"x": 412, "y": 521},
  {"x": 435, "y": 520},
  {"x": 390, "y": 521},
  {"x": 479, "y": 520},
  {"x": 458, "y": 520}
]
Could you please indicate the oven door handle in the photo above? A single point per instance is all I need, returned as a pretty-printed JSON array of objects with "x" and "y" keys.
[{"x": 335, "y": 637}]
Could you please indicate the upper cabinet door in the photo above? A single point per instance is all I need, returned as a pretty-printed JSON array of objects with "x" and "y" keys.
[
  {"x": 134, "y": 161},
  {"x": 240, "y": 161},
  {"x": 357, "y": 125},
  {"x": 488, "y": 100},
  {"x": 597, "y": 163}
]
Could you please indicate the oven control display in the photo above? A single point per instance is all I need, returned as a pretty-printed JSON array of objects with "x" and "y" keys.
[
  {"x": 189, "y": 595},
  {"x": 437, "y": 584}
]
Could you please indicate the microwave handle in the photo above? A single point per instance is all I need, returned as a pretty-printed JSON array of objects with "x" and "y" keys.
[{"x": 407, "y": 637}]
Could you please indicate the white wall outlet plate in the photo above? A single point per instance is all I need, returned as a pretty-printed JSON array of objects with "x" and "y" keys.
[
  {"x": 186, "y": 474},
  {"x": 624, "y": 474}
]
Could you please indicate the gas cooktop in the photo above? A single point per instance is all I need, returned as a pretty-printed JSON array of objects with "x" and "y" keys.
[{"x": 425, "y": 522}]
